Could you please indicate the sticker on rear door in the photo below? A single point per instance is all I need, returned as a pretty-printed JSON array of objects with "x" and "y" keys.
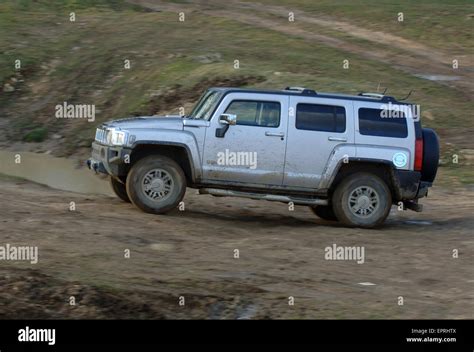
[{"x": 400, "y": 159}]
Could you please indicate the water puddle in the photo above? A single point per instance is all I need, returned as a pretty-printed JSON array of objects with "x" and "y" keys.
[
  {"x": 246, "y": 312},
  {"x": 418, "y": 222},
  {"x": 59, "y": 173},
  {"x": 439, "y": 77}
]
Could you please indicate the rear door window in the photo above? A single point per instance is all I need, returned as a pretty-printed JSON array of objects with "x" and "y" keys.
[{"x": 316, "y": 117}]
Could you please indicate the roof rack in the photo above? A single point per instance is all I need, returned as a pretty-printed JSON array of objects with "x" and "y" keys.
[
  {"x": 382, "y": 97},
  {"x": 304, "y": 91}
]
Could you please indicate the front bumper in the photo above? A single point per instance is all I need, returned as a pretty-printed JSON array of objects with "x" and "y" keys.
[
  {"x": 96, "y": 166},
  {"x": 111, "y": 160}
]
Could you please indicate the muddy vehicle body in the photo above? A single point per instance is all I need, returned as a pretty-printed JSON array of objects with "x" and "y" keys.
[{"x": 350, "y": 158}]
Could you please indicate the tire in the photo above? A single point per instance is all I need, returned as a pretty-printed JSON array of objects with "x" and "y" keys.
[
  {"x": 156, "y": 184},
  {"x": 364, "y": 188},
  {"x": 119, "y": 189},
  {"x": 324, "y": 212}
]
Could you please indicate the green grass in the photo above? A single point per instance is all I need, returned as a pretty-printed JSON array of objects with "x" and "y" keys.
[
  {"x": 36, "y": 135},
  {"x": 437, "y": 23}
]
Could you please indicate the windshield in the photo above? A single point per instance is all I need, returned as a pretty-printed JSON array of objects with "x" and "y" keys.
[{"x": 206, "y": 104}]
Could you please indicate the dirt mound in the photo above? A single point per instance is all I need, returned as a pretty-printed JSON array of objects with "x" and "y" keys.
[
  {"x": 31, "y": 294},
  {"x": 34, "y": 295},
  {"x": 179, "y": 95}
]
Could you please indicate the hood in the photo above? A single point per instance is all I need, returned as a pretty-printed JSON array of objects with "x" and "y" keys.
[{"x": 160, "y": 122}]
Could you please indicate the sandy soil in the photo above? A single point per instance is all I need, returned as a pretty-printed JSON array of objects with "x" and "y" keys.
[{"x": 190, "y": 253}]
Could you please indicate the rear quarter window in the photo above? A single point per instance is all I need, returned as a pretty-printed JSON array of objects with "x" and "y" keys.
[{"x": 378, "y": 122}]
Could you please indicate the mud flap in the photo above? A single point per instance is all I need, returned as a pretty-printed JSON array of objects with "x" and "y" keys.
[{"x": 406, "y": 183}]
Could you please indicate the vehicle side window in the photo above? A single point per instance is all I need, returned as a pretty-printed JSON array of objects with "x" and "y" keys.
[
  {"x": 316, "y": 117},
  {"x": 378, "y": 122},
  {"x": 255, "y": 113}
]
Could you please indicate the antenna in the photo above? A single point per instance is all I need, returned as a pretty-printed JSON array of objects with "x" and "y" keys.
[
  {"x": 411, "y": 91},
  {"x": 385, "y": 91}
]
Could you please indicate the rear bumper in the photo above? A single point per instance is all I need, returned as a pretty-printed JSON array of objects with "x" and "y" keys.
[
  {"x": 111, "y": 160},
  {"x": 408, "y": 185},
  {"x": 423, "y": 189}
]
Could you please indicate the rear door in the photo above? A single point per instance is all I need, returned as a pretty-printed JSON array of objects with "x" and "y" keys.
[{"x": 317, "y": 129}]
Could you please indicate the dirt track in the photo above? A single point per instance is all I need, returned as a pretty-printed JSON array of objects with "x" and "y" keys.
[
  {"x": 415, "y": 58},
  {"x": 191, "y": 254}
]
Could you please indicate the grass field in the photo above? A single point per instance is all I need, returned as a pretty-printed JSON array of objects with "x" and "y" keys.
[
  {"x": 441, "y": 24},
  {"x": 172, "y": 62}
]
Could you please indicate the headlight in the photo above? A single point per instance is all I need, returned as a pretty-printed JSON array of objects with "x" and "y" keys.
[{"x": 116, "y": 137}]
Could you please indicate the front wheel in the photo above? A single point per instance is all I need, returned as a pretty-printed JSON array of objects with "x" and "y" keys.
[
  {"x": 362, "y": 200},
  {"x": 119, "y": 189},
  {"x": 156, "y": 184}
]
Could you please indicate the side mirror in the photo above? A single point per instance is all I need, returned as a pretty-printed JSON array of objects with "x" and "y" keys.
[{"x": 228, "y": 119}]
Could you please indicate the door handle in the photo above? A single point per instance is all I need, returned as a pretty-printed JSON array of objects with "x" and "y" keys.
[
  {"x": 275, "y": 134},
  {"x": 337, "y": 139}
]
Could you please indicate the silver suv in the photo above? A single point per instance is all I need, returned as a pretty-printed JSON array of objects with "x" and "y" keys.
[{"x": 347, "y": 157}]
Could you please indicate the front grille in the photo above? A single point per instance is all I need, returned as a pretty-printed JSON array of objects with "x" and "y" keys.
[{"x": 101, "y": 135}]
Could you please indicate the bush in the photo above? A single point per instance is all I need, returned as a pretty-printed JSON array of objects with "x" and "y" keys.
[{"x": 36, "y": 135}]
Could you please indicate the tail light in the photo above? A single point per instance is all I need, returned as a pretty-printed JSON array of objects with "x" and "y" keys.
[{"x": 418, "y": 154}]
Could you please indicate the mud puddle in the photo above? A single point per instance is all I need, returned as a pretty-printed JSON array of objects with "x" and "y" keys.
[{"x": 59, "y": 173}]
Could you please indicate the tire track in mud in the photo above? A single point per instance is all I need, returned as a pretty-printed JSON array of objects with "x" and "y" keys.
[
  {"x": 191, "y": 254},
  {"x": 417, "y": 59}
]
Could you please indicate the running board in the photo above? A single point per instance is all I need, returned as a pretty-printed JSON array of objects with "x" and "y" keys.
[{"x": 270, "y": 197}]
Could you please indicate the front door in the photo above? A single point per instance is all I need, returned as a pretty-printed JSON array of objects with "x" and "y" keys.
[{"x": 253, "y": 150}]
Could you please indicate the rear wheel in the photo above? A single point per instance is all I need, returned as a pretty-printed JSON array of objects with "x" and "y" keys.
[
  {"x": 362, "y": 200},
  {"x": 324, "y": 212},
  {"x": 119, "y": 189},
  {"x": 156, "y": 184}
]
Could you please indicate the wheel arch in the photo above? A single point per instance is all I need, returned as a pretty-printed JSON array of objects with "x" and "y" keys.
[
  {"x": 384, "y": 169},
  {"x": 179, "y": 152}
]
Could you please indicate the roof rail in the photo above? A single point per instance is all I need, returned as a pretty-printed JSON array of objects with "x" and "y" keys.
[
  {"x": 382, "y": 97},
  {"x": 371, "y": 95},
  {"x": 304, "y": 91}
]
